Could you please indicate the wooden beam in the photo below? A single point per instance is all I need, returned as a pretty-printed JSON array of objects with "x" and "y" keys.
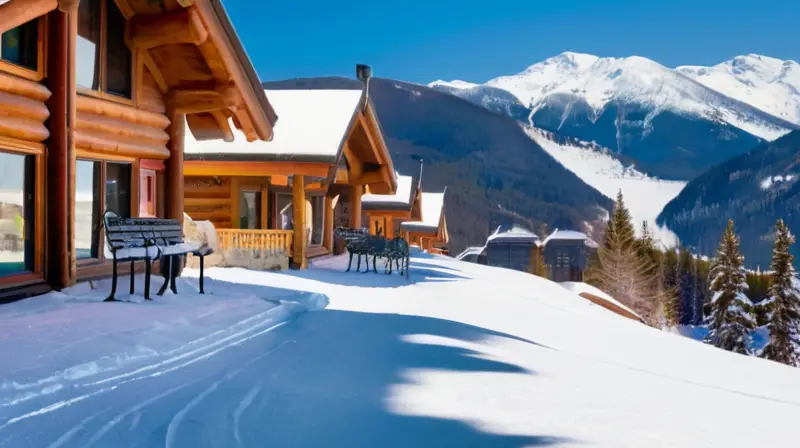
[
  {"x": 274, "y": 169},
  {"x": 370, "y": 177},
  {"x": 123, "y": 5},
  {"x": 178, "y": 27},
  {"x": 57, "y": 227},
  {"x": 191, "y": 101},
  {"x": 299, "y": 222},
  {"x": 151, "y": 65},
  {"x": 389, "y": 230},
  {"x": 173, "y": 175},
  {"x": 264, "y": 206},
  {"x": 355, "y": 206},
  {"x": 18, "y": 12},
  {"x": 234, "y": 195},
  {"x": 327, "y": 223},
  {"x": 353, "y": 162},
  {"x": 279, "y": 180},
  {"x": 224, "y": 125},
  {"x": 234, "y": 101}
]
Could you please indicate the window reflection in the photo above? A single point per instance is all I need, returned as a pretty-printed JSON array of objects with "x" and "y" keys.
[
  {"x": 87, "y": 46},
  {"x": 87, "y": 208},
  {"x": 16, "y": 213}
]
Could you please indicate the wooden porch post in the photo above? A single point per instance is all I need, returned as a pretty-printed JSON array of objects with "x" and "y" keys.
[
  {"x": 388, "y": 231},
  {"x": 299, "y": 224},
  {"x": 355, "y": 206},
  {"x": 58, "y": 257},
  {"x": 173, "y": 175},
  {"x": 327, "y": 224}
]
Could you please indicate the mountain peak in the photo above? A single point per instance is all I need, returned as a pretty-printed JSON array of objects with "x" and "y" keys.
[{"x": 456, "y": 84}]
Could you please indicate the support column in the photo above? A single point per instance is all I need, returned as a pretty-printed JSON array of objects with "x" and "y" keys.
[
  {"x": 299, "y": 221},
  {"x": 327, "y": 224},
  {"x": 57, "y": 256},
  {"x": 173, "y": 174},
  {"x": 355, "y": 206},
  {"x": 388, "y": 232}
]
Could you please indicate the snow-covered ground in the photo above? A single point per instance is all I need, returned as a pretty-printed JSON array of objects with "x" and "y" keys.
[
  {"x": 459, "y": 355},
  {"x": 645, "y": 196}
]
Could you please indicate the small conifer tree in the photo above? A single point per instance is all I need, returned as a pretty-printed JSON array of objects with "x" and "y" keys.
[{"x": 782, "y": 305}]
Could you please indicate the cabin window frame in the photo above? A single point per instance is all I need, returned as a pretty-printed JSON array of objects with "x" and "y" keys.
[
  {"x": 102, "y": 60},
  {"x": 148, "y": 197},
  {"x": 25, "y": 72},
  {"x": 36, "y": 151},
  {"x": 101, "y": 194}
]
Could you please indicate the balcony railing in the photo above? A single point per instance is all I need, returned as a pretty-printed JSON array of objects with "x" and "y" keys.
[{"x": 255, "y": 239}]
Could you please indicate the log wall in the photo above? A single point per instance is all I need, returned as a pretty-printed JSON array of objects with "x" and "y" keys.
[
  {"x": 209, "y": 199},
  {"x": 23, "y": 111}
]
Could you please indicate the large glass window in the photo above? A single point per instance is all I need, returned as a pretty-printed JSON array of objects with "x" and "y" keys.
[
  {"x": 20, "y": 45},
  {"x": 250, "y": 210},
  {"x": 88, "y": 206},
  {"x": 102, "y": 33},
  {"x": 118, "y": 188},
  {"x": 99, "y": 186},
  {"x": 16, "y": 213}
]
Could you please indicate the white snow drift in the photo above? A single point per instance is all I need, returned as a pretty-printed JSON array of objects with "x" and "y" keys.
[{"x": 459, "y": 355}]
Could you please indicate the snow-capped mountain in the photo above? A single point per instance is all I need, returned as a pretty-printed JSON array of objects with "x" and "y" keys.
[
  {"x": 770, "y": 84},
  {"x": 670, "y": 124},
  {"x": 645, "y": 196}
]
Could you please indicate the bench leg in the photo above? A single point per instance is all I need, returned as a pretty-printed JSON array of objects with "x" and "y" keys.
[
  {"x": 173, "y": 273},
  {"x": 147, "y": 279},
  {"x": 201, "y": 274},
  {"x": 350, "y": 263},
  {"x": 113, "y": 282},
  {"x": 132, "y": 277},
  {"x": 167, "y": 270}
]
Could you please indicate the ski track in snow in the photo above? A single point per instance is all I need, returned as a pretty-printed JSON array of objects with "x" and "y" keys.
[{"x": 243, "y": 405}]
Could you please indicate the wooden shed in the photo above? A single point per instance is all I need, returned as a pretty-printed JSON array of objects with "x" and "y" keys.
[
  {"x": 385, "y": 213},
  {"x": 566, "y": 253},
  {"x": 290, "y": 193},
  {"x": 510, "y": 247},
  {"x": 430, "y": 232},
  {"x": 94, "y": 98}
]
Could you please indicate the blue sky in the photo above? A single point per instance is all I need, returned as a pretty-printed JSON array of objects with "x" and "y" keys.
[{"x": 424, "y": 40}]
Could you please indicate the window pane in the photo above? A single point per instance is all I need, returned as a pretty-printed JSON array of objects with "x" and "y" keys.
[
  {"x": 20, "y": 45},
  {"x": 87, "y": 208},
  {"x": 16, "y": 213},
  {"x": 250, "y": 210},
  {"x": 285, "y": 211},
  {"x": 118, "y": 72},
  {"x": 87, "y": 47},
  {"x": 316, "y": 218},
  {"x": 118, "y": 189}
]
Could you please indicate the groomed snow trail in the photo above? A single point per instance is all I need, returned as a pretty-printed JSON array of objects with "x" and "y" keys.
[{"x": 459, "y": 355}]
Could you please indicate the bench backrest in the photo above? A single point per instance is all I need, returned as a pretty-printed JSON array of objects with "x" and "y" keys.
[{"x": 141, "y": 232}]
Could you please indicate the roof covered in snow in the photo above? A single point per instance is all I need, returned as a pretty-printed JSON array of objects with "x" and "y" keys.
[
  {"x": 401, "y": 200},
  {"x": 472, "y": 250},
  {"x": 313, "y": 126},
  {"x": 561, "y": 235},
  {"x": 432, "y": 209},
  {"x": 512, "y": 233}
]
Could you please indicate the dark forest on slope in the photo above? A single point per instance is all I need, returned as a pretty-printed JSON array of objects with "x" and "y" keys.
[
  {"x": 485, "y": 160},
  {"x": 754, "y": 189}
]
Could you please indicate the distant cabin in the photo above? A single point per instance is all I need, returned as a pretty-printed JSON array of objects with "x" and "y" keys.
[
  {"x": 566, "y": 253},
  {"x": 510, "y": 247}
]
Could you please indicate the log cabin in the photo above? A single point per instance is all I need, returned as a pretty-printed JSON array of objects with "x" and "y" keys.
[
  {"x": 386, "y": 213},
  {"x": 430, "y": 232},
  {"x": 94, "y": 99},
  {"x": 289, "y": 194}
]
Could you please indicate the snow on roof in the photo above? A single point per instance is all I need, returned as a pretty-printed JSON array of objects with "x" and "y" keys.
[
  {"x": 514, "y": 232},
  {"x": 313, "y": 124},
  {"x": 403, "y": 196},
  {"x": 432, "y": 206},
  {"x": 470, "y": 251},
  {"x": 570, "y": 235},
  {"x": 579, "y": 287}
]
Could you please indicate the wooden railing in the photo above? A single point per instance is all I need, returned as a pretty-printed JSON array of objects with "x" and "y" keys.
[{"x": 255, "y": 239}]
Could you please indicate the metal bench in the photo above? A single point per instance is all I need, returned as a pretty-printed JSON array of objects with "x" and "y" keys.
[{"x": 148, "y": 239}]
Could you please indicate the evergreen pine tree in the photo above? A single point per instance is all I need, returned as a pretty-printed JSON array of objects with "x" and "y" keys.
[
  {"x": 537, "y": 265},
  {"x": 686, "y": 287},
  {"x": 731, "y": 319},
  {"x": 782, "y": 305},
  {"x": 671, "y": 287},
  {"x": 620, "y": 270}
]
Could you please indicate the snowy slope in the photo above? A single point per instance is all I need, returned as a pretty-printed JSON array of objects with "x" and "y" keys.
[
  {"x": 460, "y": 355},
  {"x": 770, "y": 84},
  {"x": 587, "y": 79},
  {"x": 645, "y": 196}
]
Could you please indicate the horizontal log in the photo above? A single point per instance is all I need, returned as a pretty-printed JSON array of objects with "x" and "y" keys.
[
  {"x": 121, "y": 112},
  {"x": 20, "y": 106},
  {"x": 112, "y": 127},
  {"x": 187, "y": 101},
  {"x": 102, "y": 144},
  {"x": 16, "y": 13},
  {"x": 23, "y": 129},
  {"x": 207, "y": 168},
  {"x": 178, "y": 27},
  {"x": 23, "y": 87},
  {"x": 192, "y": 202}
]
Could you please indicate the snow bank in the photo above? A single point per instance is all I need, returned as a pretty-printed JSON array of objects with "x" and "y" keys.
[{"x": 585, "y": 288}]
